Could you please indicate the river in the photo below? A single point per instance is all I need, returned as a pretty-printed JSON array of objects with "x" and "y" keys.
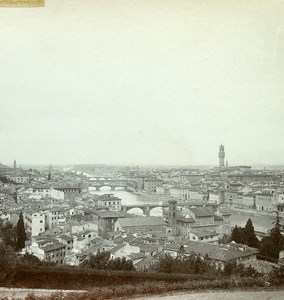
[
  {"x": 128, "y": 198},
  {"x": 260, "y": 221}
]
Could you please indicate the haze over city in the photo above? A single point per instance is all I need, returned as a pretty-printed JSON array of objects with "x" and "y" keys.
[{"x": 142, "y": 82}]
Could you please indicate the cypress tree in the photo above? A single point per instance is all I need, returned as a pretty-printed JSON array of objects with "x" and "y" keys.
[
  {"x": 250, "y": 238},
  {"x": 21, "y": 233},
  {"x": 274, "y": 243},
  {"x": 237, "y": 235}
]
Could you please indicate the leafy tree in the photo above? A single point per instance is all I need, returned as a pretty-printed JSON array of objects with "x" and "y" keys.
[
  {"x": 165, "y": 264},
  {"x": 192, "y": 264},
  {"x": 226, "y": 238},
  {"x": 232, "y": 268},
  {"x": 8, "y": 258},
  {"x": 250, "y": 238},
  {"x": 102, "y": 261},
  {"x": 4, "y": 179},
  {"x": 30, "y": 259},
  {"x": 8, "y": 233},
  {"x": 21, "y": 233}
]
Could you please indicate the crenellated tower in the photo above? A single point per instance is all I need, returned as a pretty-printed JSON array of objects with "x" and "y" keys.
[{"x": 221, "y": 156}]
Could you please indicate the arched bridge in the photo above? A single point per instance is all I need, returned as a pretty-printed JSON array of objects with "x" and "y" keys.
[
  {"x": 113, "y": 183},
  {"x": 146, "y": 208}
]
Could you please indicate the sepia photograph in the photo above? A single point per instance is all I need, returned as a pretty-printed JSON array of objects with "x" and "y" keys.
[{"x": 142, "y": 149}]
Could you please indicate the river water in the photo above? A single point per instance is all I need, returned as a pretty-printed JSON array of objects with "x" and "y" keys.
[
  {"x": 260, "y": 221},
  {"x": 128, "y": 198}
]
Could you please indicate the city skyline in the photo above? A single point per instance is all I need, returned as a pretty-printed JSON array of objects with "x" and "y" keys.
[{"x": 147, "y": 83}]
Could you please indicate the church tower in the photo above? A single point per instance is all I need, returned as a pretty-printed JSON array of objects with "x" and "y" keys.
[
  {"x": 221, "y": 156},
  {"x": 15, "y": 165},
  {"x": 49, "y": 173},
  {"x": 172, "y": 218}
]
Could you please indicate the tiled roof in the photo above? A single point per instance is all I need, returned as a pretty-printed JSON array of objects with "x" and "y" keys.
[
  {"x": 133, "y": 256},
  {"x": 204, "y": 233},
  {"x": 148, "y": 248},
  {"x": 202, "y": 211},
  {"x": 222, "y": 253},
  {"x": 184, "y": 219},
  {"x": 118, "y": 247},
  {"x": 144, "y": 262},
  {"x": 142, "y": 221},
  {"x": 218, "y": 218},
  {"x": 111, "y": 214},
  {"x": 66, "y": 237},
  {"x": 53, "y": 247}
]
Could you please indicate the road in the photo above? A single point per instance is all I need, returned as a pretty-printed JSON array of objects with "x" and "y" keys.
[
  {"x": 222, "y": 295},
  {"x": 18, "y": 293}
]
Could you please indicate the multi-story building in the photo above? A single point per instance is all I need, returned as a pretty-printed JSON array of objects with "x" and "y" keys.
[
  {"x": 19, "y": 179},
  {"x": 34, "y": 222},
  {"x": 107, "y": 219},
  {"x": 179, "y": 192},
  {"x": 198, "y": 223},
  {"x": 196, "y": 195},
  {"x": 248, "y": 201},
  {"x": 214, "y": 197},
  {"x": 231, "y": 197},
  {"x": 217, "y": 255},
  {"x": 54, "y": 253},
  {"x": 266, "y": 201},
  {"x": 53, "y": 216},
  {"x": 109, "y": 201},
  {"x": 148, "y": 184}
]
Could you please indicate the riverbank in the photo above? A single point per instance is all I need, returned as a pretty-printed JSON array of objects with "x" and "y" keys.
[{"x": 262, "y": 221}]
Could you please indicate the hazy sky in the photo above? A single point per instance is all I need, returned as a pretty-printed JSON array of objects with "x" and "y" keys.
[{"x": 142, "y": 82}]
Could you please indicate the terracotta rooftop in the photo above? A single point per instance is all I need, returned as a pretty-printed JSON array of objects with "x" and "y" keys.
[{"x": 142, "y": 221}]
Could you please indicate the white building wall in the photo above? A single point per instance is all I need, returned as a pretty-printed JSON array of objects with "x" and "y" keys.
[{"x": 38, "y": 224}]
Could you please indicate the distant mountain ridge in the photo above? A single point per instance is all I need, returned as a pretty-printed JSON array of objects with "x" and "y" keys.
[{"x": 4, "y": 166}]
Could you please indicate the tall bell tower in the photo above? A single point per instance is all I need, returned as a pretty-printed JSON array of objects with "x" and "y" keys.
[
  {"x": 172, "y": 218},
  {"x": 221, "y": 156}
]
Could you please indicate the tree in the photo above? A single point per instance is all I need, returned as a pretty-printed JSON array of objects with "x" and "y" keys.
[
  {"x": 238, "y": 235},
  {"x": 8, "y": 233},
  {"x": 165, "y": 264},
  {"x": 4, "y": 179},
  {"x": 225, "y": 239},
  {"x": 250, "y": 238},
  {"x": 8, "y": 258},
  {"x": 21, "y": 233},
  {"x": 274, "y": 243},
  {"x": 102, "y": 261}
]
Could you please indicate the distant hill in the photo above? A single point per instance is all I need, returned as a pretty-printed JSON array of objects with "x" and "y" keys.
[
  {"x": 86, "y": 167},
  {"x": 4, "y": 166}
]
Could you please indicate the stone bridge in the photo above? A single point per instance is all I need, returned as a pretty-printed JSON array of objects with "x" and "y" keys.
[
  {"x": 113, "y": 183},
  {"x": 146, "y": 208}
]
